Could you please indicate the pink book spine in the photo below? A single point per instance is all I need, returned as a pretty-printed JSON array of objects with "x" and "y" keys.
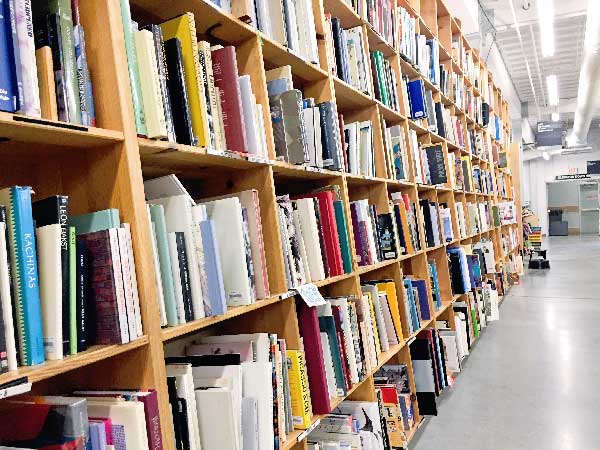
[
  {"x": 28, "y": 68},
  {"x": 153, "y": 430}
]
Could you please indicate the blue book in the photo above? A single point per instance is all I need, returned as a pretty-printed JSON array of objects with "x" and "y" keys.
[
  {"x": 414, "y": 315},
  {"x": 212, "y": 267},
  {"x": 9, "y": 94},
  {"x": 416, "y": 97},
  {"x": 278, "y": 86},
  {"x": 97, "y": 436},
  {"x": 421, "y": 286},
  {"x": 435, "y": 285},
  {"x": 22, "y": 246}
]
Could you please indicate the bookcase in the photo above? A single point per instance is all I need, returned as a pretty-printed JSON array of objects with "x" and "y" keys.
[{"x": 104, "y": 167}]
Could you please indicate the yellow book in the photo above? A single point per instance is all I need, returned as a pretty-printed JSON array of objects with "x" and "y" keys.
[
  {"x": 389, "y": 287},
  {"x": 184, "y": 28},
  {"x": 299, "y": 391}
]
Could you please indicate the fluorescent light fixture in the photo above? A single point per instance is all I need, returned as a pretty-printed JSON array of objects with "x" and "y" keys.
[
  {"x": 555, "y": 117},
  {"x": 546, "y": 156},
  {"x": 552, "y": 85},
  {"x": 545, "y": 10}
]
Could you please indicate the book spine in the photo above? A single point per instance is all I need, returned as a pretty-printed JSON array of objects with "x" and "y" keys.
[
  {"x": 299, "y": 390},
  {"x": 213, "y": 98},
  {"x": 25, "y": 271},
  {"x": 86, "y": 94},
  {"x": 210, "y": 114},
  {"x": 54, "y": 40},
  {"x": 153, "y": 429},
  {"x": 163, "y": 77},
  {"x": 9, "y": 92},
  {"x": 30, "y": 104},
  {"x": 63, "y": 9},
  {"x": 184, "y": 271},
  {"x": 126, "y": 274},
  {"x": 14, "y": 44},
  {"x": 134, "y": 76},
  {"x": 119, "y": 287},
  {"x": 133, "y": 275},
  {"x": 72, "y": 309},
  {"x": 82, "y": 292}
]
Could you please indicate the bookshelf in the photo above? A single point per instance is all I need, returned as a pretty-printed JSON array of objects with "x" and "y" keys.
[{"x": 104, "y": 167}]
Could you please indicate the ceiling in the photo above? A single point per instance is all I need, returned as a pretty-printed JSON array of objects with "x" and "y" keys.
[{"x": 497, "y": 23}]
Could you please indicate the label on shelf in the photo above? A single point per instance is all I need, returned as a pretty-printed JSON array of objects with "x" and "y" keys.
[
  {"x": 311, "y": 295},
  {"x": 306, "y": 432}
]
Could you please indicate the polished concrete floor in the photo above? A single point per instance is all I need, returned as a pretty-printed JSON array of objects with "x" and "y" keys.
[{"x": 532, "y": 381}]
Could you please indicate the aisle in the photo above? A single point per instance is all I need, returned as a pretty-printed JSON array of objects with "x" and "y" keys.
[{"x": 531, "y": 382}]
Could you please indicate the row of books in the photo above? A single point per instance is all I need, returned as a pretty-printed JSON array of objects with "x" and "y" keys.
[
  {"x": 311, "y": 133},
  {"x": 482, "y": 180},
  {"x": 384, "y": 79},
  {"x": 45, "y": 37},
  {"x": 359, "y": 151},
  {"x": 238, "y": 391},
  {"x": 290, "y": 23},
  {"x": 66, "y": 282},
  {"x": 209, "y": 255},
  {"x": 314, "y": 232}
]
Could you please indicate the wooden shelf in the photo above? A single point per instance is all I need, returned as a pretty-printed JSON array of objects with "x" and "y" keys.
[
  {"x": 54, "y": 368},
  {"x": 349, "y": 98}
]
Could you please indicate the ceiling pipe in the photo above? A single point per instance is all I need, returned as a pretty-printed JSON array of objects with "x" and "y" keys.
[{"x": 588, "y": 78}]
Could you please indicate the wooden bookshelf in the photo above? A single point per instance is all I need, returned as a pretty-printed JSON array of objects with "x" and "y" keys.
[{"x": 105, "y": 167}]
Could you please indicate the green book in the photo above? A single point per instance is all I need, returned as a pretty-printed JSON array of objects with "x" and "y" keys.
[
  {"x": 475, "y": 323},
  {"x": 382, "y": 78},
  {"x": 63, "y": 9},
  {"x": 340, "y": 220},
  {"x": 72, "y": 291},
  {"x": 134, "y": 74},
  {"x": 96, "y": 221},
  {"x": 327, "y": 325},
  {"x": 496, "y": 214},
  {"x": 157, "y": 216}
]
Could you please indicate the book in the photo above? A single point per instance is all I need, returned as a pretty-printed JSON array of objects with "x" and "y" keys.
[
  {"x": 226, "y": 78},
  {"x": 24, "y": 45},
  {"x": 9, "y": 100},
  {"x": 299, "y": 388},
  {"x": 9, "y": 362},
  {"x": 288, "y": 126},
  {"x": 22, "y": 245},
  {"x": 107, "y": 287},
  {"x": 183, "y": 28}
]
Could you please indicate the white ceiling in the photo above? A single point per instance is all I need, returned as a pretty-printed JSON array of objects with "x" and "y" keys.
[{"x": 569, "y": 30}]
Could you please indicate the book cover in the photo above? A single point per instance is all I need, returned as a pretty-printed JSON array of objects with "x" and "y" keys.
[
  {"x": 9, "y": 93},
  {"x": 183, "y": 28},
  {"x": 82, "y": 285},
  {"x": 178, "y": 93},
  {"x": 299, "y": 389},
  {"x": 22, "y": 245},
  {"x": 340, "y": 220},
  {"x": 288, "y": 127},
  {"x": 184, "y": 274},
  {"x": 84, "y": 81},
  {"x": 95, "y": 221},
  {"x": 107, "y": 289}
]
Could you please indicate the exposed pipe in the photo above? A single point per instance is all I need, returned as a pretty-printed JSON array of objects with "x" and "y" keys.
[{"x": 588, "y": 77}]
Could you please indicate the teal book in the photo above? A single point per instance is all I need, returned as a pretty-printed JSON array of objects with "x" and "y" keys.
[
  {"x": 414, "y": 314},
  {"x": 435, "y": 285},
  {"x": 62, "y": 8},
  {"x": 342, "y": 229},
  {"x": 157, "y": 215},
  {"x": 95, "y": 221},
  {"x": 72, "y": 291},
  {"x": 22, "y": 246},
  {"x": 134, "y": 74},
  {"x": 327, "y": 325}
]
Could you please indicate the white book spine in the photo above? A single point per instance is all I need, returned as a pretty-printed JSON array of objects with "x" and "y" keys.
[
  {"x": 134, "y": 284},
  {"x": 120, "y": 292},
  {"x": 248, "y": 107},
  {"x": 5, "y": 298},
  {"x": 28, "y": 68},
  {"x": 176, "y": 277},
  {"x": 126, "y": 274},
  {"x": 158, "y": 277},
  {"x": 49, "y": 264}
]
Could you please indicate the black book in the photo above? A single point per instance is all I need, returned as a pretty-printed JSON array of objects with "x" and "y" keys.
[
  {"x": 429, "y": 239},
  {"x": 55, "y": 43},
  {"x": 485, "y": 114},
  {"x": 163, "y": 76},
  {"x": 230, "y": 359},
  {"x": 439, "y": 115},
  {"x": 385, "y": 432},
  {"x": 420, "y": 350},
  {"x": 466, "y": 176},
  {"x": 3, "y": 219},
  {"x": 387, "y": 236},
  {"x": 398, "y": 219},
  {"x": 49, "y": 211},
  {"x": 84, "y": 307},
  {"x": 184, "y": 273},
  {"x": 178, "y": 94},
  {"x": 339, "y": 47},
  {"x": 376, "y": 87},
  {"x": 437, "y": 166},
  {"x": 456, "y": 280},
  {"x": 329, "y": 136},
  {"x": 179, "y": 413}
]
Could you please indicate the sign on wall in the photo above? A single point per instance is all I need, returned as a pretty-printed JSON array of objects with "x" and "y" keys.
[{"x": 549, "y": 134}]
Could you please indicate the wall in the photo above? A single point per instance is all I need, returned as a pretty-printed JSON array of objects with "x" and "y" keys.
[{"x": 539, "y": 171}]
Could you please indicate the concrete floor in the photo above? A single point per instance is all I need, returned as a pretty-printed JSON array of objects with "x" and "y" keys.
[{"x": 532, "y": 380}]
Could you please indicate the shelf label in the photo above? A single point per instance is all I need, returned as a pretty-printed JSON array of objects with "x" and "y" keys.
[
  {"x": 311, "y": 295},
  {"x": 306, "y": 432}
]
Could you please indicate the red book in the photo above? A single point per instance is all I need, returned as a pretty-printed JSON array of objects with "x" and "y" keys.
[
  {"x": 337, "y": 319},
  {"x": 308, "y": 323},
  {"x": 227, "y": 82},
  {"x": 329, "y": 225}
]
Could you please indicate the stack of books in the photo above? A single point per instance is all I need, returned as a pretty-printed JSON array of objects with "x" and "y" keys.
[
  {"x": 314, "y": 231},
  {"x": 66, "y": 282},
  {"x": 398, "y": 165},
  {"x": 358, "y": 137},
  {"x": 416, "y": 303},
  {"x": 209, "y": 255},
  {"x": 384, "y": 79},
  {"x": 44, "y": 71},
  {"x": 238, "y": 391},
  {"x": 405, "y": 215}
]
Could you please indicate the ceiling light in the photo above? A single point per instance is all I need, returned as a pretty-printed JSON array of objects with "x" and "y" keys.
[
  {"x": 545, "y": 10},
  {"x": 546, "y": 156},
  {"x": 552, "y": 85},
  {"x": 555, "y": 117}
]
